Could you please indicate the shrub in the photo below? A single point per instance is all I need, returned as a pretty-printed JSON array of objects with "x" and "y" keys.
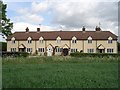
[
  {"x": 3, "y": 46},
  {"x": 14, "y": 54},
  {"x": 77, "y": 54}
]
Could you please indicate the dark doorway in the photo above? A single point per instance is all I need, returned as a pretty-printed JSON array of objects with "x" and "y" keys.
[
  {"x": 65, "y": 51},
  {"x": 21, "y": 49},
  {"x": 101, "y": 51}
]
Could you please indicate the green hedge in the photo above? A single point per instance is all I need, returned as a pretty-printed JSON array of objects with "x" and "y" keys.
[
  {"x": 77, "y": 54},
  {"x": 3, "y": 46},
  {"x": 14, "y": 54}
]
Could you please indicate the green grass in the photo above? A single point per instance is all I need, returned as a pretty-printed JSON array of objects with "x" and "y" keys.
[{"x": 60, "y": 72}]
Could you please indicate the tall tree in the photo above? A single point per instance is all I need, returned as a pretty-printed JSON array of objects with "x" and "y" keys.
[{"x": 5, "y": 24}]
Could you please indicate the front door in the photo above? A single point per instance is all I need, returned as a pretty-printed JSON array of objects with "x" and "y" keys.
[
  {"x": 65, "y": 51},
  {"x": 49, "y": 52}
]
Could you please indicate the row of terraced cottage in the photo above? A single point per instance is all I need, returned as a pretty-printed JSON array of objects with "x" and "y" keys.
[{"x": 63, "y": 42}]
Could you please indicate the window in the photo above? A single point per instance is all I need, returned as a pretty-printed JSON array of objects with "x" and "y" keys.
[
  {"x": 58, "y": 41},
  {"x": 109, "y": 41},
  {"x": 41, "y": 41},
  {"x": 29, "y": 41},
  {"x": 74, "y": 41},
  {"x": 13, "y": 49},
  {"x": 13, "y": 41},
  {"x": 41, "y": 50},
  {"x": 29, "y": 49},
  {"x": 110, "y": 50},
  {"x": 89, "y": 41},
  {"x": 58, "y": 49},
  {"x": 73, "y": 50},
  {"x": 90, "y": 50}
]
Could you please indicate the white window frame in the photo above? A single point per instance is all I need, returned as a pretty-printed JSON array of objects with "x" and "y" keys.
[
  {"x": 29, "y": 40},
  {"x": 13, "y": 40},
  {"x": 41, "y": 49},
  {"x": 28, "y": 49},
  {"x": 89, "y": 39},
  {"x": 41, "y": 40},
  {"x": 110, "y": 50},
  {"x": 58, "y": 49},
  {"x": 58, "y": 40},
  {"x": 91, "y": 50},
  {"x": 73, "y": 50},
  {"x": 109, "y": 41},
  {"x": 74, "y": 40},
  {"x": 13, "y": 49}
]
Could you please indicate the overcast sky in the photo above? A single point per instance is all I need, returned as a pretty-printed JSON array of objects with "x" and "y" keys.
[{"x": 63, "y": 14}]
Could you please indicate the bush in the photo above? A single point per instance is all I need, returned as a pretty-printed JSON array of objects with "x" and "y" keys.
[
  {"x": 77, "y": 54},
  {"x": 3, "y": 46},
  {"x": 14, "y": 54}
]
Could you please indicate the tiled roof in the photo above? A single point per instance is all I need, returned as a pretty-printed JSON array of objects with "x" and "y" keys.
[{"x": 65, "y": 35}]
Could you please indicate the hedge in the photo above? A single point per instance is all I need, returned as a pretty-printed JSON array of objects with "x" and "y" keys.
[
  {"x": 3, "y": 46},
  {"x": 14, "y": 54},
  {"x": 77, "y": 54}
]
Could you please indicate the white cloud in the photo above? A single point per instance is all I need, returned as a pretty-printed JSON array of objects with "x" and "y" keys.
[
  {"x": 76, "y": 14},
  {"x": 21, "y": 26},
  {"x": 39, "y": 6},
  {"x": 73, "y": 14}
]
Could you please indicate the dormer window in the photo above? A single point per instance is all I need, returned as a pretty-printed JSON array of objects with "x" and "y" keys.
[
  {"x": 29, "y": 40},
  {"x": 13, "y": 40},
  {"x": 41, "y": 40},
  {"x": 89, "y": 39},
  {"x": 110, "y": 40},
  {"x": 58, "y": 39},
  {"x": 74, "y": 40}
]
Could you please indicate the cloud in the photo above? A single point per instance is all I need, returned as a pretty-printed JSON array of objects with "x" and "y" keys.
[
  {"x": 72, "y": 14},
  {"x": 39, "y": 7},
  {"x": 21, "y": 26},
  {"x": 31, "y": 14},
  {"x": 76, "y": 14}
]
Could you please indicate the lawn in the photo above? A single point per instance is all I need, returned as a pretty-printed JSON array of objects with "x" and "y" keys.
[{"x": 60, "y": 72}]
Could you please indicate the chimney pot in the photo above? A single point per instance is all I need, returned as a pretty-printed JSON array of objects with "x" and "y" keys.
[
  {"x": 83, "y": 29},
  {"x": 27, "y": 29},
  {"x": 98, "y": 28},
  {"x": 38, "y": 29}
]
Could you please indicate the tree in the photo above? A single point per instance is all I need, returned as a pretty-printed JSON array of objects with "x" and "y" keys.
[
  {"x": 5, "y": 24},
  {"x": 118, "y": 44}
]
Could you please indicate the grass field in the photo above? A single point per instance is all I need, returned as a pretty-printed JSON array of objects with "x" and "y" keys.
[{"x": 60, "y": 72}]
